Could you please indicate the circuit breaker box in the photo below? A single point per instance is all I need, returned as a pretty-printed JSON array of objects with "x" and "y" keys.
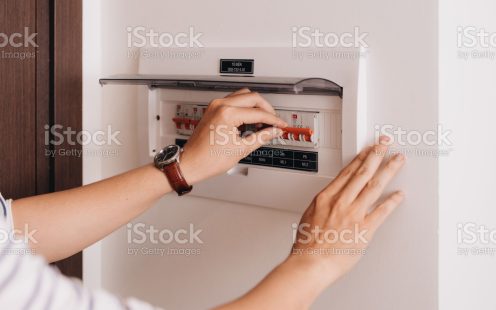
[{"x": 284, "y": 174}]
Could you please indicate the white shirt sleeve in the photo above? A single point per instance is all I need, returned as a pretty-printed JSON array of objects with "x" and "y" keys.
[{"x": 28, "y": 282}]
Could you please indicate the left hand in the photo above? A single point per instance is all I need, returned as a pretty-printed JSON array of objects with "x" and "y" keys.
[{"x": 216, "y": 146}]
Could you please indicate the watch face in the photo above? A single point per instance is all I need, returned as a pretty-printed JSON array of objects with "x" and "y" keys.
[{"x": 167, "y": 155}]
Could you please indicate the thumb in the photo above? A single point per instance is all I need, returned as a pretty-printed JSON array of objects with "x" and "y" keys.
[{"x": 260, "y": 138}]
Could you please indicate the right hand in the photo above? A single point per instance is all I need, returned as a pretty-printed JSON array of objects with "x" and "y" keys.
[
  {"x": 346, "y": 212},
  {"x": 215, "y": 146},
  {"x": 347, "y": 202}
]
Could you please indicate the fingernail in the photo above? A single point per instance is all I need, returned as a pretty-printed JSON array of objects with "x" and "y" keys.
[
  {"x": 400, "y": 194},
  {"x": 384, "y": 140},
  {"x": 278, "y": 132},
  {"x": 399, "y": 157}
]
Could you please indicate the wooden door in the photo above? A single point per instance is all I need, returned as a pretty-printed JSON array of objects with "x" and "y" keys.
[{"x": 40, "y": 86}]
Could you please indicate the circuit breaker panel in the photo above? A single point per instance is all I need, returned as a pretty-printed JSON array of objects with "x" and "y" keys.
[{"x": 306, "y": 157}]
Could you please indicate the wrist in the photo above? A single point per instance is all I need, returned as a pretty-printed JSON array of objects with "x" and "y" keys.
[
  {"x": 293, "y": 284},
  {"x": 190, "y": 168},
  {"x": 322, "y": 271}
]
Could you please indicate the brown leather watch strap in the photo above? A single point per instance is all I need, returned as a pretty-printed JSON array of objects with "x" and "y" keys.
[{"x": 176, "y": 179}]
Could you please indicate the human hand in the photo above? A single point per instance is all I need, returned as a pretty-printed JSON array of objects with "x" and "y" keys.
[
  {"x": 336, "y": 229},
  {"x": 216, "y": 144},
  {"x": 342, "y": 212}
]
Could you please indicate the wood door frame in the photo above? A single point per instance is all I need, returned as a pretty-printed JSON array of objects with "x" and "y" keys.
[
  {"x": 38, "y": 92},
  {"x": 43, "y": 98},
  {"x": 59, "y": 96},
  {"x": 18, "y": 97},
  {"x": 67, "y": 79}
]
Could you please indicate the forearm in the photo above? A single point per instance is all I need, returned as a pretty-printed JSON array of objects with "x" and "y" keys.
[
  {"x": 66, "y": 222},
  {"x": 294, "y": 284},
  {"x": 69, "y": 221}
]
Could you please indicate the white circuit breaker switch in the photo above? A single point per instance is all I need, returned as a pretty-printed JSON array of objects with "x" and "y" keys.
[{"x": 303, "y": 129}]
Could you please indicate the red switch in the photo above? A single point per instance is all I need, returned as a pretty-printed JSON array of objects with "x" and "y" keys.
[
  {"x": 178, "y": 122},
  {"x": 296, "y": 132},
  {"x": 187, "y": 122}
]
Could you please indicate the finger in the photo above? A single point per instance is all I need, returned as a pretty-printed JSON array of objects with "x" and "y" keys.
[
  {"x": 239, "y": 92},
  {"x": 250, "y": 100},
  {"x": 254, "y": 116},
  {"x": 377, "y": 217},
  {"x": 260, "y": 138},
  {"x": 364, "y": 173},
  {"x": 345, "y": 175},
  {"x": 374, "y": 188}
]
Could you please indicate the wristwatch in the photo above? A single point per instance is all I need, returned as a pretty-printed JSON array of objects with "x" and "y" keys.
[{"x": 167, "y": 161}]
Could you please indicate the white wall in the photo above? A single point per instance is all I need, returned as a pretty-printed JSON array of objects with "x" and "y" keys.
[
  {"x": 92, "y": 120},
  {"x": 467, "y": 95},
  {"x": 243, "y": 243}
]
